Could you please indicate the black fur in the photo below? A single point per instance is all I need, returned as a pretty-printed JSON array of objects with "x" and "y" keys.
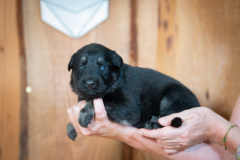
[{"x": 132, "y": 96}]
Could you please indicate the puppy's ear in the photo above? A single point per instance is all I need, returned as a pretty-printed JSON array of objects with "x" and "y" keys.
[
  {"x": 71, "y": 63},
  {"x": 116, "y": 59}
]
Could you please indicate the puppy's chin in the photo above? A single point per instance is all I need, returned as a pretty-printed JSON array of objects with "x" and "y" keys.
[{"x": 92, "y": 94}]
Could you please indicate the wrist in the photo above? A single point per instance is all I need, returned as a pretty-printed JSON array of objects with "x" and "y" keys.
[
  {"x": 120, "y": 132},
  {"x": 221, "y": 127}
]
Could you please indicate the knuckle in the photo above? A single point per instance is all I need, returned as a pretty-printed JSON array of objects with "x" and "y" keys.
[
  {"x": 69, "y": 111},
  {"x": 76, "y": 108}
]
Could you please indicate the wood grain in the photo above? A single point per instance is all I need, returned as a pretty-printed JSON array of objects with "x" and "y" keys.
[
  {"x": 195, "y": 42},
  {"x": 47, "y": 54},
  {"x": 199, "y": 45},
  {"x": 9, "y": 81},
  {"x": 146, "y": 39},
  {"x": 23, "y": 153},
  {"x": 147, "y": 31}
]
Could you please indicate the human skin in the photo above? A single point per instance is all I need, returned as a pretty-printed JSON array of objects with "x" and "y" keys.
[
  {"x": 102, "y": 127},
  {"x": 199, "y": 124}
]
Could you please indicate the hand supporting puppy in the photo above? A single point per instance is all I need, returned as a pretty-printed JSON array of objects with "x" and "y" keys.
[
  {"x": 100, "y": 126},
  {"x": 199, "y": 124}
]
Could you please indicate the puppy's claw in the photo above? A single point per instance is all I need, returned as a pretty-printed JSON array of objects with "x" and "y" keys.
[{"x": 72, "y": 134}]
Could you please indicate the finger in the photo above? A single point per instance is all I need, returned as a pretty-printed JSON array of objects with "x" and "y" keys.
[
  {"x": 168, "y": 147},
  {"x": 75, "y": 112},
  {"x": 149, "y": 133},
  {"x": 163, "y": 134},
  {"x": 167, "y": 142},
  {"x": 72, "y": 121},
  {"x": 70, "y": 117},
  {"x": 100, "y": 111},
  {"x": 170, "y": 151},
  {"x": 81, "y": 104},
  {"x": 166, "y": 121}
]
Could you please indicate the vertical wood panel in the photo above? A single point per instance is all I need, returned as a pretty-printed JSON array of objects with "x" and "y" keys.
[
  {"x": 48, "y": 52},
  {"x": 146, "y": 29},
  {"x": 198, "y": 45},
  {"x": 9, "y": 81},
  {"x": 23, "y": 154},
  {"x": 196, "y": 42}
]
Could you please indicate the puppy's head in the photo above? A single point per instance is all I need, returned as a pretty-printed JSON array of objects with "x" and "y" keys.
[{"x": 95, "y": 69}]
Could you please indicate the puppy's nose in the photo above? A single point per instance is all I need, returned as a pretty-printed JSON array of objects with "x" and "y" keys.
[{"x": 91, "y": 84}]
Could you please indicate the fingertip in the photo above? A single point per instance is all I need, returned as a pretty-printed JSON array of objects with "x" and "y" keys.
[
  {"x": 164, "y": 121},
  {"x": 170, "y": 151},
  {"x": 69, "y": 111}
]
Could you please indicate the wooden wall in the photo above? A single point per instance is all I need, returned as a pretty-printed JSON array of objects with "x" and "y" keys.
[
  {"x": 47, "y": 54},
  {"x": 194, "y": 41},
  {"x": 9, "y": 81},
  {"x": 199, "y": 45}
]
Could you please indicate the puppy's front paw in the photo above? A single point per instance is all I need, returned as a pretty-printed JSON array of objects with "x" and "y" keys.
[
  {"x": 72, "y": 134},
  {"x": 86, "y": 115},
  {"x": 153, "y": 124}
]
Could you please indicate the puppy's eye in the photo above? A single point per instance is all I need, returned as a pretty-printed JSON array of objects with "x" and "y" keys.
[
  {"x": 80, "y": 66},
  {"x": 103, "y": 68}
]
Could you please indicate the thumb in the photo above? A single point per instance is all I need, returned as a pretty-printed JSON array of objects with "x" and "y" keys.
[
  {"x": 99, "y": 109},
  {"x": 182, "y": 116},
  {"x": 166, "y": 121}
]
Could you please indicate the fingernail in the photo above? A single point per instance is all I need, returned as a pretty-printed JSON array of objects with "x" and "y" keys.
[
  {"x": 139, "y": 132},
  {"x": 163, "y": 121}
]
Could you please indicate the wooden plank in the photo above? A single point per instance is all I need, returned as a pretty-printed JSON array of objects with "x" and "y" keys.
[
  {"x": 9, "y": 81},
  {"x": 146, "y": 38},
  {"x": 147, "y": 33},
  {"x": 198, "y": 45},
  {"x": 23, "y": 154},
  {"x": 47, "y": 54}
]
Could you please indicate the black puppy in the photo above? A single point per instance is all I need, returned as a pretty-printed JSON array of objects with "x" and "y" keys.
[{"x": 132, "y": 96}]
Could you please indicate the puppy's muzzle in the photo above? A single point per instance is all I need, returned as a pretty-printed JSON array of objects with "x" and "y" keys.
[{"x": 91, "y": 84}]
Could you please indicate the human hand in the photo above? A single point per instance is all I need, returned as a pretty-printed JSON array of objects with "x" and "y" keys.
[
  {"x": 100, "y": 126},
  {"x": 129, "y": 135},
  {"x": 199, "y": 124}
]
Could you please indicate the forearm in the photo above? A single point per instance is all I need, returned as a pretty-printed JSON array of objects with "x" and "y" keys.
[
  {"x": 197, "y": 152},
  {"x": 132, "y": 138},
  {"x": 232, "y": 138},
  {"x": 235, "y": 118}
]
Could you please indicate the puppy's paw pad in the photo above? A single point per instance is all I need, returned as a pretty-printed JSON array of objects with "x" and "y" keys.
[{"x": 72, "y": 134}]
